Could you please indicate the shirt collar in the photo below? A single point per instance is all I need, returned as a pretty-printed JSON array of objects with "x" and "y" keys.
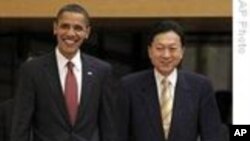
[
  {"x": 172, "y": 77},
  {"x": 62, "y": 61}
]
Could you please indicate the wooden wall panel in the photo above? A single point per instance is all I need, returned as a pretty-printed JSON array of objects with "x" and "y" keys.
[{"x": 120, "y": 8}]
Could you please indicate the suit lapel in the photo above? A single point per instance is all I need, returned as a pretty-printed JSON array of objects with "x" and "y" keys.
[
  {"x": 88, "y": 74},
  {"x": 149, "y": 94},
  {"x": 51, "y": 69},
  {"x": 181, "y": 100}
]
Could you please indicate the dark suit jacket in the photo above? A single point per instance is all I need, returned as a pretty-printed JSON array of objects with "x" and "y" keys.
[
  {"x": 5, "y": 119},
  {"x": 194, "y": 112},
  {"x": 40, "y": 105}
]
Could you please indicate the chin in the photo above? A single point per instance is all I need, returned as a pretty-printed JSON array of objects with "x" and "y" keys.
[
  {"x": 166, "y": 71},
  {"x": 71, "y": 48}
]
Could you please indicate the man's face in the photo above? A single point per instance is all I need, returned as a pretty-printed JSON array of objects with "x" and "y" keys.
[
  {"x": 71, "y": 31},
  {"x": 166, "y": 52}
]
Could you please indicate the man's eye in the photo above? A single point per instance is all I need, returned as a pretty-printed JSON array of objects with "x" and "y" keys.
[
  {"x": 172, "y": 48},
  {"x": 64, "y": 26},
  {"x": 78, "y": 28},
  {"x": 159, "y": 47}
]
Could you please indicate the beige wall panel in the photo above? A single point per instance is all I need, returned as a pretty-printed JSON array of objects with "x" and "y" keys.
[{"x": 120, "y": 8}]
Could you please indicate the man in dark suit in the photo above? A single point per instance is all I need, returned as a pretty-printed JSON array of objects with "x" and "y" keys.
[
  {"x": 165, "y": 103},
  {"x": 65, "y": 95}
]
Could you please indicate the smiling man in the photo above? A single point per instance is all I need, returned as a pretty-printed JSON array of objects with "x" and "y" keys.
[
  {"x": 165, "y": 103},
  {"x": 65, "y": 95}
]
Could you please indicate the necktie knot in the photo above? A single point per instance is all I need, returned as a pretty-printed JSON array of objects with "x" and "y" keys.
[
  {"x": 70, "y": 65},
  {"x": 163, "y": 81}
]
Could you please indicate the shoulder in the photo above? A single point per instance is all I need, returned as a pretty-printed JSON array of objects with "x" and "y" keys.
[
  {"x": 194, "y": 80},
  {"x": 95, "y": 62},
  {"x": 37, "y": 62},
  {"x": 191, "y": 76},
  {"x": 97, "y": 66},
  {"x": 136, "y": 77}
]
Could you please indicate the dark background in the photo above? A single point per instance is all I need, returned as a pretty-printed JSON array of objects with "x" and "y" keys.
[{"x": 121, "y": 41}]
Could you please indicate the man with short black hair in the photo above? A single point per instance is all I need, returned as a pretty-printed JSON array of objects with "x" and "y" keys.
[
  {"x": 65, "y": 95},
  {"x": 165, "y": 103}
]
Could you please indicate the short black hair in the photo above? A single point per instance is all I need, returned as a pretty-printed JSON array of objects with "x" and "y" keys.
[
  {"x": 165, "y": 26},
  {"x": 73, "y": 8}
]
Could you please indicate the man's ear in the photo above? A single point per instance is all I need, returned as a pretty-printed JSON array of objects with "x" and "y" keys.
[
  {"x": 88, "y": 31},
  {"x": 54, "y": 27},
  {"x": 183, "y": 51},
  {"x": 149, "y": 51}
]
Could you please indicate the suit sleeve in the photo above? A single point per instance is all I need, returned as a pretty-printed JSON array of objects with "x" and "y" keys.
[
  {"x": 107, "y": 105},
  {"x": 2, "y": 129},
  {"x": 123, "y": 111},
  {"x": 23, "y": 106},
  {"x": 209, "y": 117}
]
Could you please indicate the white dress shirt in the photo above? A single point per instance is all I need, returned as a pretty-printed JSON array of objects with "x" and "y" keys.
[
  {"x": 172, "y": 78},
  {"x": 77, "y": 69}
]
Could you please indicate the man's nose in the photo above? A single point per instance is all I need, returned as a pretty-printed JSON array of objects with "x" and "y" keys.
[
  {"x": 71, "y": 31},
  {"x": 166, "y": 53}
]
